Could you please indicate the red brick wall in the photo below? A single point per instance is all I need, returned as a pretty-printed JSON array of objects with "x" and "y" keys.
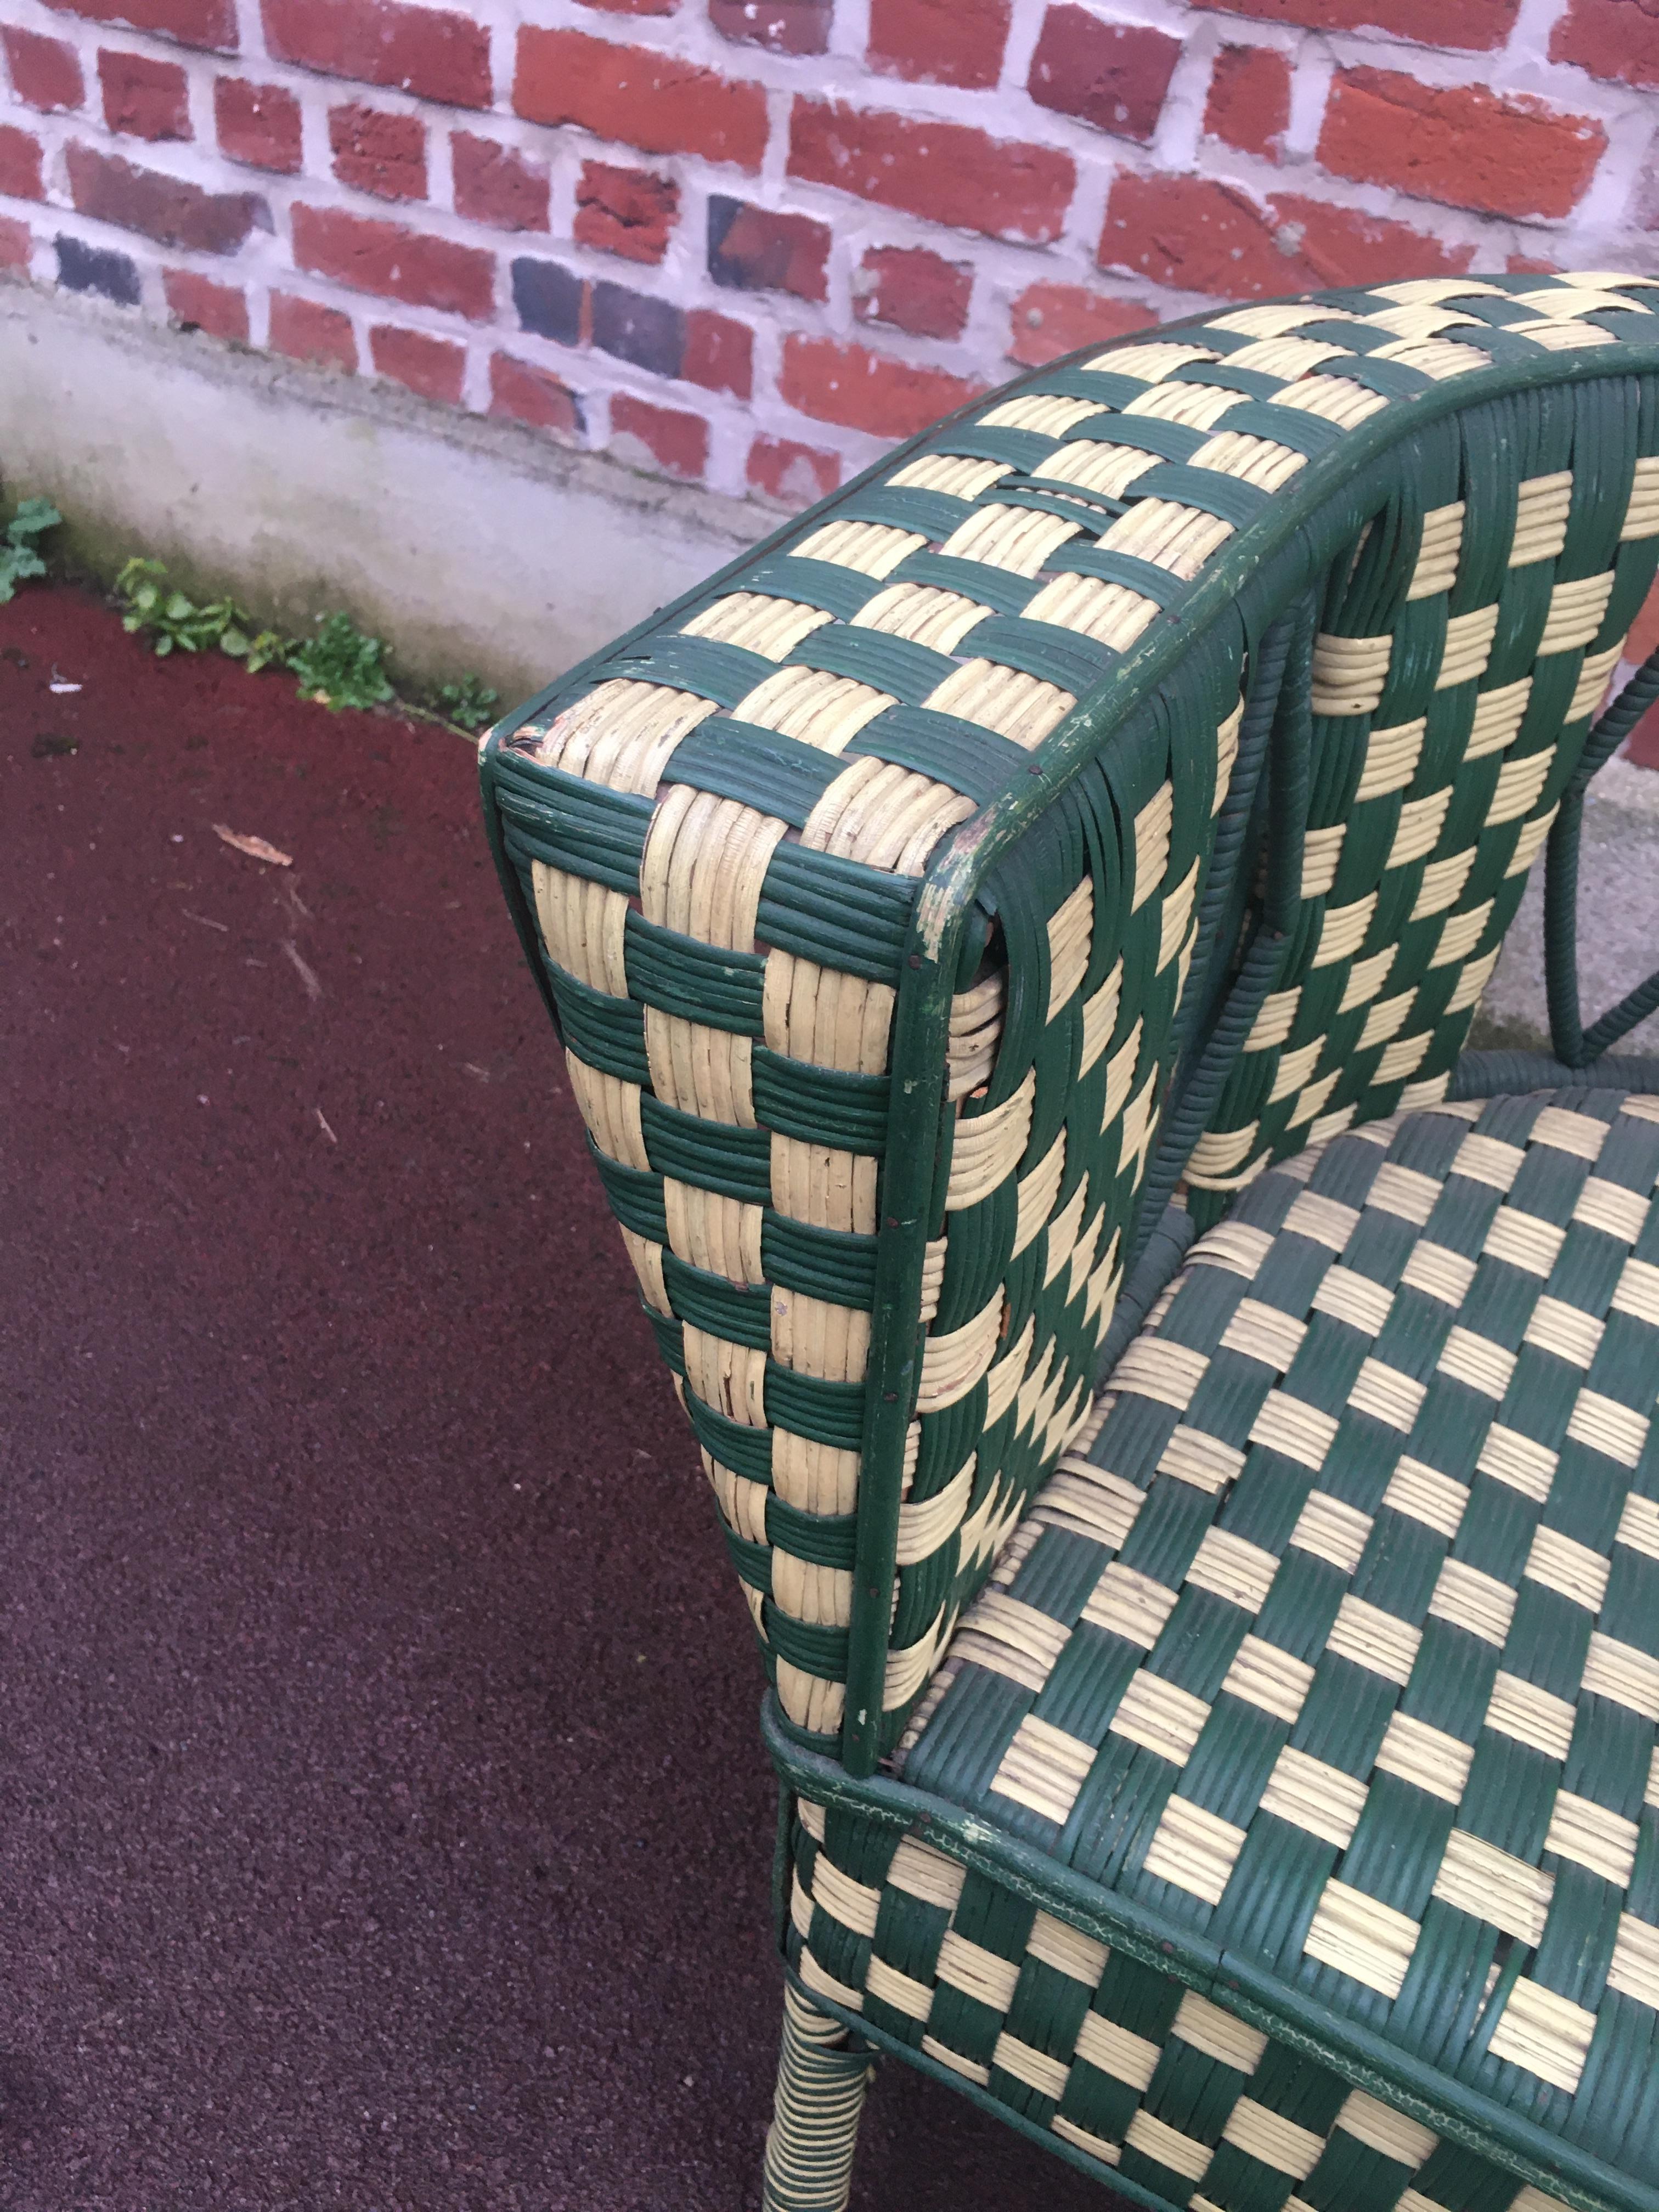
[{"x": 745, "y": 241}]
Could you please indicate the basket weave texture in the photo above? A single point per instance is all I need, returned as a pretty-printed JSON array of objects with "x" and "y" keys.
[
  {"x": 721, "y": 830},
  {"x": 1338, "y": 1647}
]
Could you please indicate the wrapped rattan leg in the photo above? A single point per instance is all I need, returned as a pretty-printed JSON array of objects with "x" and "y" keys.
[{"x": 815, "y": 2124}]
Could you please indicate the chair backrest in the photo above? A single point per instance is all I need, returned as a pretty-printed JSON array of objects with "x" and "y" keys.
[{"x": 881, "y": 888}]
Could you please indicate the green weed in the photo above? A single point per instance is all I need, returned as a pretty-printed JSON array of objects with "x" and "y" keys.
[
  {"x": 20, "y": 558},
  {"x": 341, "y": 667},
  {"x": 469, "y": 703}
]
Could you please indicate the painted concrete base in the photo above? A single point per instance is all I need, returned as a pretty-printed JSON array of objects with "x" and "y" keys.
[{"x": 467, "y": 543}]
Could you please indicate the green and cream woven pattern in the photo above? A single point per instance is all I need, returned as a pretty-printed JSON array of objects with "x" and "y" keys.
[
  {"x": 720, "y": 830},
  {"x": 1115, "y": 2058},
  {"x": 1338, "y": 1643}
]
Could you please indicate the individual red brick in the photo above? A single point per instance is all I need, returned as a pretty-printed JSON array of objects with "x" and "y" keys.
[
  {"x": 16, "y": 244},
  {"x": 398, "y": 262},
  {"x": 45, "y": 73},
  {"x": 914, "y": 290},
  {"x": 1050, "y": 319},
  {"x": 165, "y": 208},
  {"x": 1505, "y": 153},
  {"x": 794, "y": 475},
  {"x": 659, "y": 437},
  {"x": 193, "y": 22},
  {"x": 1202, "y": 236},
  {"x": 1249, "y": 102},
  {"x": 939, "y": 41},
  {"x": 432, "y": 367},
  {"x": 221, "y": 310},
  {"x": 306, "y": 331},
  {"x": 944, "y": 172},
  {"x": 759, "y": 249},
  {"x": 439, "y": 53},
  {"x": 866, "y": 390},
  {"x": 625, "y": 211},
  {"x": 20, "y": 164},
  {"x": 781, "y": 26},
  {"x": 1467, "y": 24},
  {"x": 720, "y": 353},
  {"x": 257, "y": 124},
  {"x": 1112, "y": 75},
  {"x": 531, "y": 395},
  {"x": 378, "y": 153},
  {"x": 1618, "y": 39},
  {"x": 497, "y": 185},
  {"x": 655, "y": 101},
  {"x": 143, "y": 98}
]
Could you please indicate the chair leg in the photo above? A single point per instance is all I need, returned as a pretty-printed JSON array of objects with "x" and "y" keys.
[{"x": 821, "y": 2080}]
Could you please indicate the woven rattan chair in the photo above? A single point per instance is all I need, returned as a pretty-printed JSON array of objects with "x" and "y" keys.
[{"x": 1214, "y": 1682}]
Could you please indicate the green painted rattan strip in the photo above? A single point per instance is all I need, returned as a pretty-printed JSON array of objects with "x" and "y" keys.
[
  {"x": 895, "y": 665},
  {"x": 777, "y": 775},
  {"x": 1000, "y": 589},
  {"x": 703, "y": 666},
  {"x": 965, "y": 754},
  {"x": 699, "y": 982}
]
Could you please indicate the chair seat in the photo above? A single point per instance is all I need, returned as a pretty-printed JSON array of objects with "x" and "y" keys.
[{"x": 1333, "y": 1641}]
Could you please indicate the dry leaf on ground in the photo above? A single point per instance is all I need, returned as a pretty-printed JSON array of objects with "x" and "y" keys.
[{"x": 257, "y": 848}]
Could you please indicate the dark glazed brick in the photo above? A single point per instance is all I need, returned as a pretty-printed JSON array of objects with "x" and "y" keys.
[
  {"x": 95, "y": 269},
  {"x": 651, "y": 333},
  {"x": 549, "y": 300},
  {"x": 755, "y": 249}
]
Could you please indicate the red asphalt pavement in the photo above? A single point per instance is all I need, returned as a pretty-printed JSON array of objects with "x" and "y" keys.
[{"x": 382, "y": 1819}]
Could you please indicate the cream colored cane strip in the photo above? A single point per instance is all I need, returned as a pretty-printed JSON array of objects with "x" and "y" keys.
[
  {"x": 1491, "y": 1885},
  {"x": 809, "y": 703},
  {"x": 1531, "y": 1716},
  {"x": 1155, "y": 2139},
  {"x": 1117, "y": 2052},
  {"x": 824, "y": 1017},
  {"x": 1080, "y": 1958},
  {"x": 1545, "y": 2033},
  {"x": 1390, "y": 2133},
  {"x": 1358, "y": 1936},
  {"x": 622, "y": 734},
  {"x": 1592, "y": 1836},
  {"x": 1130, "y": 1605},
  {"x": 1633, "y": 1969},
  {"x": 1195, "y": 1849},
  {"x": 1426, "y": 1757},
  {"x": 1043, "y": 1769},
  {"x": 582, "y": 926},
  {"x": 1275, "y": 2140},
  {"x": 763, "y": 624},
  {"x": 1315, "y": 1797}
]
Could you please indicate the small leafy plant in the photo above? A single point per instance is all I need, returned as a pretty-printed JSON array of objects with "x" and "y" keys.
[
  {"x": 170, "y": 616},
  {"x": 20, "y": 557},
  {"x": 340, "y": 666},
  {"x": 469, "y": 703}
]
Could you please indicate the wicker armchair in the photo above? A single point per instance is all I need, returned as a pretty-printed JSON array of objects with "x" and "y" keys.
[{"x": 1185, "y": 1429}]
